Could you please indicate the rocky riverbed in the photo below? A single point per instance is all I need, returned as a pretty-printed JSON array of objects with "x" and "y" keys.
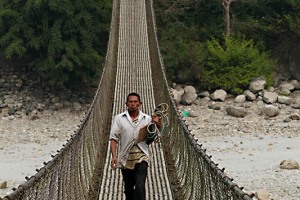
[
  {"x": 252, "y": 148},
  {"x": 27, "y": 143},
  {"x": 255, "y": 136}
]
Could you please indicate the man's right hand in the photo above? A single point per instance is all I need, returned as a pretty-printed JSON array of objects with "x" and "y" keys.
[
  {"x": 114, "y": 163},
  {"x": 113, "y": 146}
]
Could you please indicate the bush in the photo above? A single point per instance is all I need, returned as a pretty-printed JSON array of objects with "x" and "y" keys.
[{"x": 232, "y": 64}]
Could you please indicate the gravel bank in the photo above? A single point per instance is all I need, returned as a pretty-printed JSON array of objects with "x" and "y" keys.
[
  {"x": 251, "y": 148},
  {"x": 26, "y": 144}
]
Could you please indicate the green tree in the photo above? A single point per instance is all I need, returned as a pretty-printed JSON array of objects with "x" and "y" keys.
[
  {"x": 180, "y": 52},
  {"x": 269, "y": 21},
  {"x": 64, "y": 39},
  {"x": 233, "y": 63},
  {"x": 274, "y": 24}
]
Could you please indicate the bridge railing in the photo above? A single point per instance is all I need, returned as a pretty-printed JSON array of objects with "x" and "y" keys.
[
  {"x": 76, "y": 169},
  {"x": 192, "y": 173}
]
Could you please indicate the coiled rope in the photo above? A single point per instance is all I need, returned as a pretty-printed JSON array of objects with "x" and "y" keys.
[{"x": 153, "y": 131}]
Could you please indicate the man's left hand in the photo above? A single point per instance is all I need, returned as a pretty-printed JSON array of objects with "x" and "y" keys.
[{"x": 157, "y": 120}]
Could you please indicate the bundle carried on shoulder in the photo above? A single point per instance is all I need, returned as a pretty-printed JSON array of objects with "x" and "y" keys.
[{"x": 152, "y": 131}]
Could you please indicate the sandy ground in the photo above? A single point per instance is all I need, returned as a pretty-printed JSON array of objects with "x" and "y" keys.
[
  {"x": 254, "y": 161},
  {"x": 250, "y": 149},
  {"x": 26, "y": 144}
]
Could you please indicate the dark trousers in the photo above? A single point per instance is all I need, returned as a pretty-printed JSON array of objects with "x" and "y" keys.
[{"x": 135, "y": 181}]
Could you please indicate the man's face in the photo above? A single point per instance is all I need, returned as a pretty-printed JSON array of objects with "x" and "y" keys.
[{"x": 133, "y": 103}]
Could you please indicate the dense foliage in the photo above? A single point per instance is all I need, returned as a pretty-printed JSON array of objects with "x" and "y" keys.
[
  {"x": 275, "y": 22},
  {"x": 234, "y": 64},
  {"x": 180, "y": 51},
  {"x": 218, "y": 61},
  {"x": 65, "y": 40}
]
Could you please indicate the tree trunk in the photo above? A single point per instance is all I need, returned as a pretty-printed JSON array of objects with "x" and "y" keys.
[{"x": 226, "y": 4}]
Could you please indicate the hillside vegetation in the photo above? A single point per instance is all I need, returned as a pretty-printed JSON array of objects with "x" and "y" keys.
[
  {"x": 63, "y": 40},
  {"x": 226, "y": 43},
  {"x": 212, "y": 43}
]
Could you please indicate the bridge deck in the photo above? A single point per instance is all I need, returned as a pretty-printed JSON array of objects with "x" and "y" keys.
[{"x": 134, "y": 75}]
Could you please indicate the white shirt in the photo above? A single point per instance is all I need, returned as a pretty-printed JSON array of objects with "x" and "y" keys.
[{"x": 125, "y": 132}]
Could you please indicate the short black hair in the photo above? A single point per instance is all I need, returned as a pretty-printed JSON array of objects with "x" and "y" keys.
[{"x": 133, "y": 94}]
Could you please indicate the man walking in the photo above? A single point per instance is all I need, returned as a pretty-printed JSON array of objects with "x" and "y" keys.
[{"x": 132, "y": 157}]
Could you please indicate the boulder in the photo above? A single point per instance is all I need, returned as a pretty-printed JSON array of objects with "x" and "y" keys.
[
  {"x": 214, "y": 107},
  {"x": 270, "y": 111},
  {"x": 236, "y": 111},
  {"x": 219, "y": 95},
  {"x": 295, "y": 106},
  {"x": 249, "y": 95},
  {"x": 287, "y": 86},
  {"x": 180, "y": 90},
  {"x": 176, "y": 95},
  {"x": 270, "y": 97},
  {"x": 9, "y": 101},
  {"x": 34, "y": 115},
  {"x": 296, "y": 84},
  {"x": 203, "y": 94},
  {"x": 289, "y": 164},
  {"x": 240, "y": 98},
  {"x": 189, "y": 95},
  {"x": 3, "y": 185},
  {"x": 77, "y": 106},
  {"x": 257, "y": 85},
  {"x": 294, "y": 116},
  {"x": 285, "y": 100},
  {"x": 262, "y": 195}
]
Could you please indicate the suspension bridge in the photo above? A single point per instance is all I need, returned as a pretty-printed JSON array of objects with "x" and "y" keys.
[{"x": 180, "y": 168}]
